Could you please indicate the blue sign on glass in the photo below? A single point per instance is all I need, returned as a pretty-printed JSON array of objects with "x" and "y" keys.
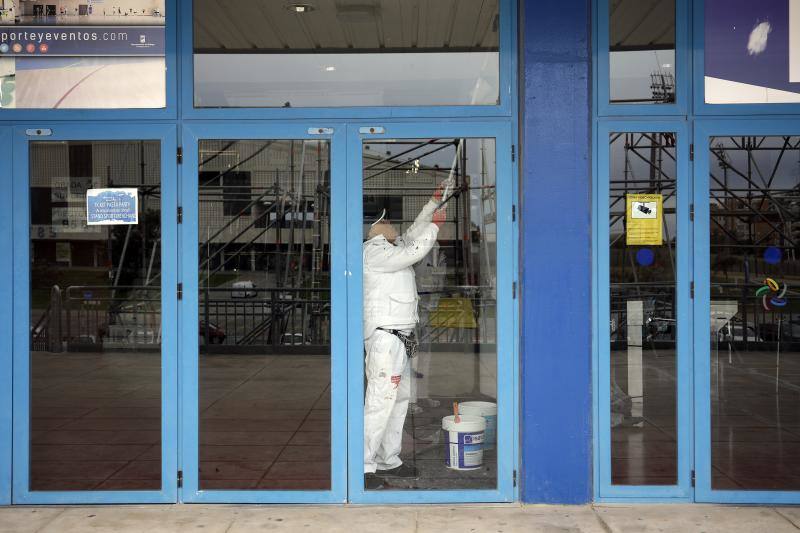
[
  {"x": 43, "y": 41},
  {"x": 107, "y": 207}
]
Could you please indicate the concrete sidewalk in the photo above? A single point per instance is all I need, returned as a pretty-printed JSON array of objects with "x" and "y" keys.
[{"x": 434, "y": 519}]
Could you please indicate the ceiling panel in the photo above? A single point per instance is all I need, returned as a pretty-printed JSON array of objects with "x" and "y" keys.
[
  {"x": 267, "y": 25},
  {"x": 642, "y": 24}
]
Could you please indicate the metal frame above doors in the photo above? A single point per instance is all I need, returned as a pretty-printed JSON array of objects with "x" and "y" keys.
[{"x": 23, "y": 135}]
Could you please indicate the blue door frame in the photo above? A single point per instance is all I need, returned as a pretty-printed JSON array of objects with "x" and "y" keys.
[
  {"x": 167, "y": 135},
  {"x": 507, "y": 349},
  {"x": 188, "y": 325},
  {"x": 704, "y": 129},
  {"x": 6, "y": 333},
  {"x": 605, "y": 490}
]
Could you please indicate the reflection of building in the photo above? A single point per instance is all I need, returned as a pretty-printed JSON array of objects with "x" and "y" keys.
[{"x": 61, "y": 173}]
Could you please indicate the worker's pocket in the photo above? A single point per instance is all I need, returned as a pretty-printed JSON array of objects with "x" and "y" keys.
[{"x": 402, "y": 305}]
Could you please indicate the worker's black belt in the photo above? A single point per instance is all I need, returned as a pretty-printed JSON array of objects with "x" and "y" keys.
[{"x": 409, "y": 340}]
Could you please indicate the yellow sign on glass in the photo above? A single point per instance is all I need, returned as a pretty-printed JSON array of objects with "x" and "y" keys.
[{"x": 644, "y": 219}]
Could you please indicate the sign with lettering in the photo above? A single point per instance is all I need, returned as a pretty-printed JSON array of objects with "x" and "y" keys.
[{"x": 108, "y": 207}]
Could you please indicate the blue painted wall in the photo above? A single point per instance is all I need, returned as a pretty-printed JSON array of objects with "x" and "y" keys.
[{"x": 556, "y": 252}]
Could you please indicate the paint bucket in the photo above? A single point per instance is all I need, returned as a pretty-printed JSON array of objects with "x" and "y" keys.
[
  {"x": 463, "y": 442},
  {"x": 487, "y": 410}
]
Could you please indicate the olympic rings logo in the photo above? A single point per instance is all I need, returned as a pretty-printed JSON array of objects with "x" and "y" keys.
[{"x": 772, "y": 294}]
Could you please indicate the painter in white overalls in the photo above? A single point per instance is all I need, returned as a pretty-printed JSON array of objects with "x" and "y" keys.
[{"x": 390, "y": 315}]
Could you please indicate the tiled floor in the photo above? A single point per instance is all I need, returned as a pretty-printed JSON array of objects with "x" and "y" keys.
[
  {"x": 265, "y": 423},
  {"x": 755, "y": 422}
]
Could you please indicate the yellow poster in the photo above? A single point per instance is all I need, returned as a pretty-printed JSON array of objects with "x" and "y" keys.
[{"x": 644, "y": 219}]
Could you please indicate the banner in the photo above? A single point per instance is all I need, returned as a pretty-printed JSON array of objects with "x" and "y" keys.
[{"x": 81, "y": 41}]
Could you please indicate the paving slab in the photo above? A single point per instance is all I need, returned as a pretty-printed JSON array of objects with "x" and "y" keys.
[
  {"x": 347, "y": 519},
  {"x": 26, "y": 519},
  {"x": 509, "y": 519},
  {"x": 791, "y": 514},
  {"x": 469, "y": 518},
  {"x": 138, "y": 519},
  {"x": 690, "y": 518}
]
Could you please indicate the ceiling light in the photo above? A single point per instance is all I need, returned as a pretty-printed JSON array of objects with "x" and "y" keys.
[
  {"x": 330, "y": 69},
  {"x": 300, "y": 8}
]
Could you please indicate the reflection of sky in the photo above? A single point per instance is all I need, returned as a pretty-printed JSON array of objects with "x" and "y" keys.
[{"x": 630, "y": 72}]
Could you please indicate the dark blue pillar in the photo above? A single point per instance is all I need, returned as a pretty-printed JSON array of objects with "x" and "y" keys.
[{"x": 556, "y": 252}]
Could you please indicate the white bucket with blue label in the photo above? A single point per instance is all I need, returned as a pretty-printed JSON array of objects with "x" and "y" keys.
[
  {"x": 464, "y": 442},
  {"x": 487, "y": 410}
]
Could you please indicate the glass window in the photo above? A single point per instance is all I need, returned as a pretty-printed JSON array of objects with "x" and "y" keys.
[
  {"x": 264, "y": 314},
  {"x": 82, "y": 55},
  {"x": 643, "y": 306},
  {"x": 752, "y": 52},
  {"x": 430, "y": 314},
  {"x": 642, "y": 51},
  {"x": 325, "y": 53},
  {"x": 95, "y": 318},
  {"x": 755, "y": 355}
]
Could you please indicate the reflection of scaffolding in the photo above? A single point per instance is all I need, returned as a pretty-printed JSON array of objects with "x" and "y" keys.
[
  {"x": 466, "y": 240},
  {"x": 754, "y": 194},
  {"x": 264, "y": 209},
  {"x": 642, "y": 296}
]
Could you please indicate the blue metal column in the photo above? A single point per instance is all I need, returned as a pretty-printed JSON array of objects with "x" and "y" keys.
[{"x": 555, "y": 231}]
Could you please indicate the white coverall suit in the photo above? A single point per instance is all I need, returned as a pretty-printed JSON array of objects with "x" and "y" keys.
[{"x": 390, "y": 302}]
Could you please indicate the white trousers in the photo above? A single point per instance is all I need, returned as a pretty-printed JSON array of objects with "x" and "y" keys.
[{"x": 386, "y": 400}]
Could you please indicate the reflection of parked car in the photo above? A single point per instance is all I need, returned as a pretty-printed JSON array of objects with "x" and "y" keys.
[
  {"x": 292, "y": 339},
  {"x": 216, "y": 335},
  {"x": 659, "y": 328},
  {"x": 789, "y": 331},
  {"x": 733, "y": 331},
  {"x": 243, "y": 289}
]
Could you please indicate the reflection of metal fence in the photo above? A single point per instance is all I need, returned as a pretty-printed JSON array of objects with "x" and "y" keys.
[
  {"x": 96, "y": 317},
  {"x": 251, "y": 319},
  {"x": 244, "y": 320},
  {"x": 122, "y": 317},
  {"x": 747, "y": 326}
]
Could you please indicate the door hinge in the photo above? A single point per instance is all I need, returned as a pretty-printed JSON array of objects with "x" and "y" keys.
[
  {"x": 180, "y": 479},
  {"x": 180, "y": 215},
  {"x": 513, "y": 153},
  {"x": 513, "y": 213},
  {"x": 515, "y": 478},
  {"x": 180, "y": 291},
  {"x": 514, "y": 290},
  {"x": 180, "y": 154},
  {"x": 691, "y": 212},
  {"x": 693, "y": 478},
  {"x": 691, "y": 290},
  {"x": 691, "y": 152}
]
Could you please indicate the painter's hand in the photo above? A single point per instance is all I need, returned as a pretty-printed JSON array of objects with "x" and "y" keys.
[
  {"x": 439, "y": 216},
  {"x": 438, "y": 193}
]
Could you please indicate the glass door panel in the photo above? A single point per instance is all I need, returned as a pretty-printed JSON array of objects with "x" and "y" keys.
[
  {"x": 432, "y": 211},
  {"x": 264, "y": 314},
  {"x": 644, "y": 309},
  {"x": 754, "y": 215},
  {"x": 94, "y": 415},
  {"x": 261, "y": 305}
]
